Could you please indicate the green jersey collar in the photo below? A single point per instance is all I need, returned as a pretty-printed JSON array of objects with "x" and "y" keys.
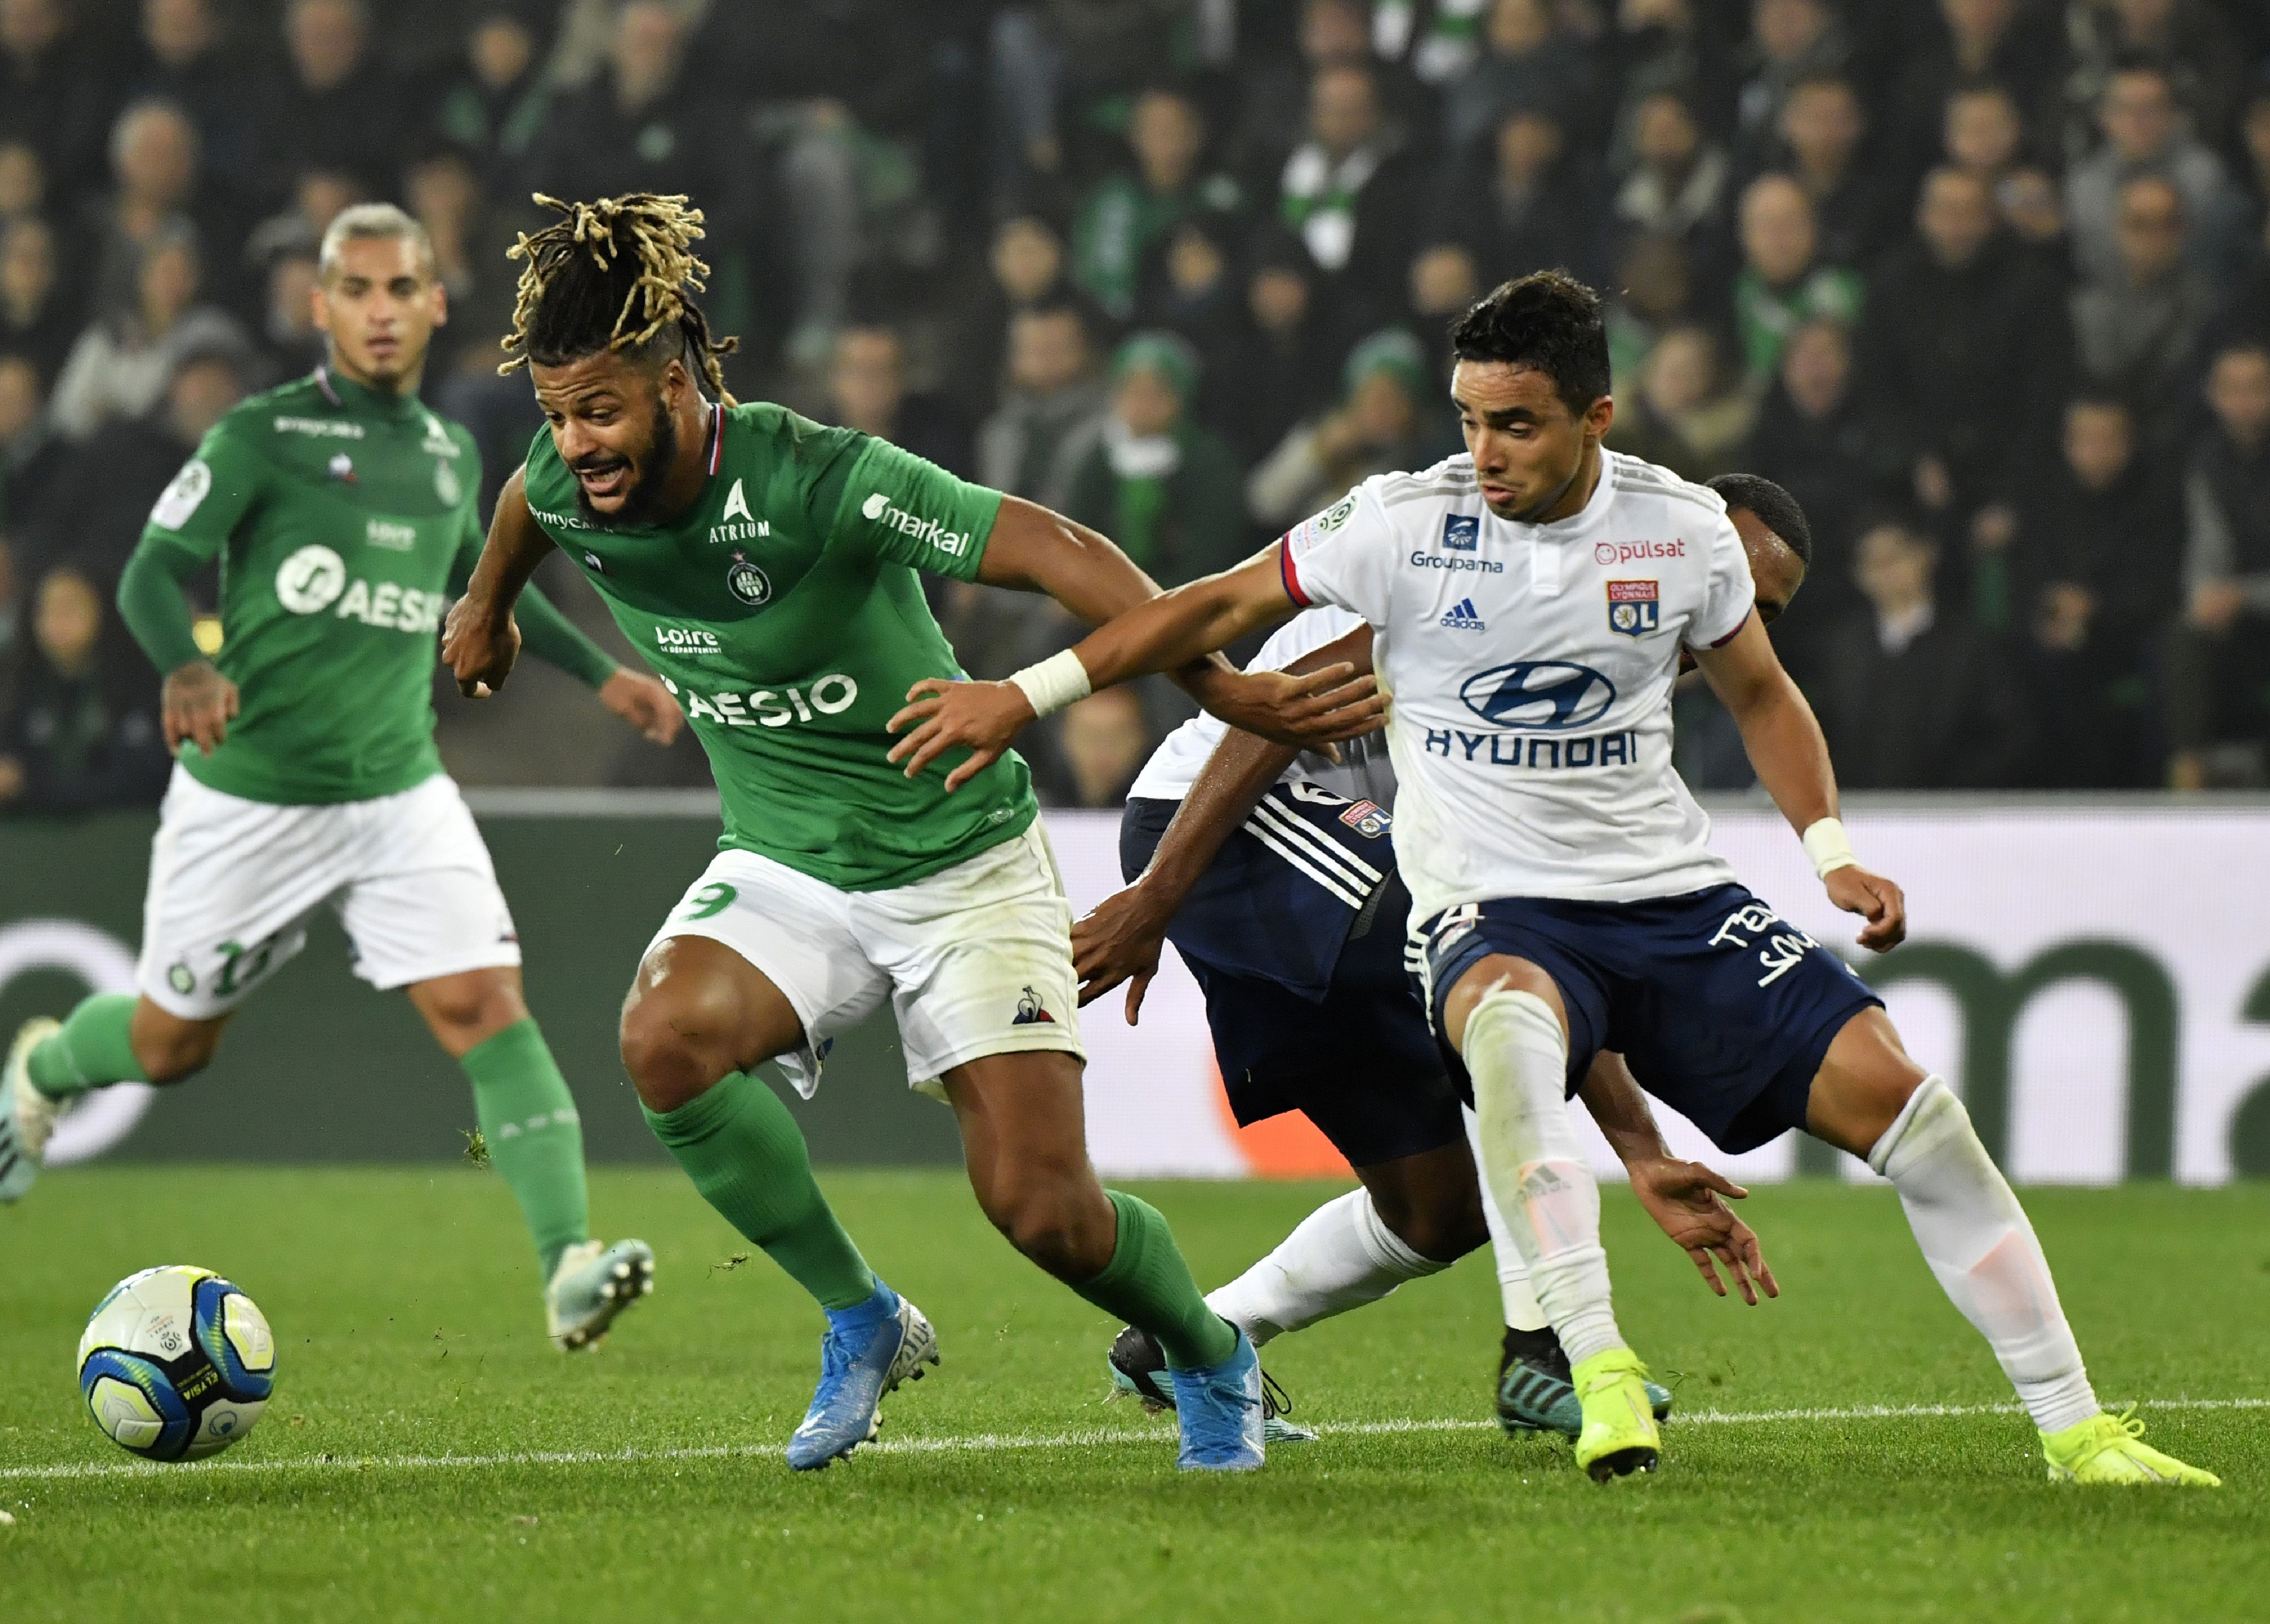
[{"x": 363, "y": 401}]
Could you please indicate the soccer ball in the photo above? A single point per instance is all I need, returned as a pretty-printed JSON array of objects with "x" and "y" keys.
[{"x": 176, "y": 1363}]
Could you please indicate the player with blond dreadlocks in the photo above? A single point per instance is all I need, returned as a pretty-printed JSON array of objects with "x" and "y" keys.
[{"x": 767, "y": 567}]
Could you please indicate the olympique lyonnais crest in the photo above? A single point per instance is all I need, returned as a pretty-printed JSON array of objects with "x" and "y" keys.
[
  {"x": 1367, "y": 819},
  {"x": 1635, "y": 607}
]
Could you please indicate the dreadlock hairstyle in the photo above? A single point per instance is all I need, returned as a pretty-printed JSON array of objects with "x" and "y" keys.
[{"x": 618, "y": 274}]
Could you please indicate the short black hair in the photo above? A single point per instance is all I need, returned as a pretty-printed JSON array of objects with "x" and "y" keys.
[
  {"x": 1548, "y": 321},
  {"x": 1776, "y": 509}
]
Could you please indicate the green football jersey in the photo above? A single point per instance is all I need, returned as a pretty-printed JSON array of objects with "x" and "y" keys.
[
  {"x": 783, "y": 610},
  {"x": 336, "y": 513}
]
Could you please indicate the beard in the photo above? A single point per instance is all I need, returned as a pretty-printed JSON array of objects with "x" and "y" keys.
[{"x": 643, "y": 495}]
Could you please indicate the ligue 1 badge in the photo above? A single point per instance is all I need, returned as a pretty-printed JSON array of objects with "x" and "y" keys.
[
  {"x": 747, "y": 582},
  {"x": 1635, "y": 607},
  {"x": 342, "y": 467}
]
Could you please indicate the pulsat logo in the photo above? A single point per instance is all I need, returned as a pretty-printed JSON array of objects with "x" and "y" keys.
[
  {"x": 1548, "y": 694},
  {"x": 879, "y": 508}
]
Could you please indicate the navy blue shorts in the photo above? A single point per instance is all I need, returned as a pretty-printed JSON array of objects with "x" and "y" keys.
[
  {"x": 1296, "y": 935},
  {"x": 1721, "y": 1008}
]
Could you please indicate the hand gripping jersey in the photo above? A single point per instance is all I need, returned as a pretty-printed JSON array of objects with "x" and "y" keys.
[
  {"x": 784, "y": 612},
  {"x": 336, "y": 514},
  {"x": 1529, "y": 669}
]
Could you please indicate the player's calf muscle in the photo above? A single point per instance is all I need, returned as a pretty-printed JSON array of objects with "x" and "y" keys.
[{"x": 1431, "y": 1202}]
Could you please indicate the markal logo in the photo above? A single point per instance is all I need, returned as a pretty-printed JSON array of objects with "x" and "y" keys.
[
  {"x": 393, "y": 536},
  {"x": 687, "y": 641},
  {"x": 878, "y": 506},
  {"x": 736, "y": 525}
]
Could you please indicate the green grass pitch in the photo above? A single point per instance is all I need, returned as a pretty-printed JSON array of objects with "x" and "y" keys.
[{"x": 405, "y": 1306}]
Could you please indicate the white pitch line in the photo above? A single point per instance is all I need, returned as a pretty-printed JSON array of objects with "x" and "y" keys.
[{"x": 987, "y": 1442}]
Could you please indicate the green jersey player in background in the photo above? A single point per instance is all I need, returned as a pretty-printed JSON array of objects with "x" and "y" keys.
[
  {"x": 767, "y": 566},
  {"x": 340, "y": 509}
]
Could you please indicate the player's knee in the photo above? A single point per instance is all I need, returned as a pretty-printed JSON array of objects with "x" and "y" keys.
[
  {"x": 666, "y": 1056},
  {"x": 1438, "y": 1229},
  {"x": 1050, "y": 1223},
  {"x": 466, "y": 1010},
  {"x": 177, "y": 1051}
]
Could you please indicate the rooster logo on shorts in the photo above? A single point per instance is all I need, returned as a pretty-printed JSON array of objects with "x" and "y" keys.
[{"x": 1029, "y": 1012}]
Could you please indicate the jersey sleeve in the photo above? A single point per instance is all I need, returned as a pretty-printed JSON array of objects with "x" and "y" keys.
[
  {"x": 209, "y": 497},
  {"x": 908, "y": 510},
  {"x": 1728, "y": 592},
  {"x": 1345, "y": 555}
]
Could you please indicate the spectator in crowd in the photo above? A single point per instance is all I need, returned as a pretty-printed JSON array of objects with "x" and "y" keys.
[
  {"x": 641, "y": 126},
  {"x": 121, "y": 364},
  {"x": 1274, "y": 91},
  {"x": 1094, "y": 750},
  {"x": 1815, "y": 438},
  {"x": 1961, "y": 336},
  {"x": 2144, "y": 135},
  {"x": 1784, "y": 281},
  {"x": 1351, "y": 191},
  {"x": 2187, "y": 40},
  {"x": 287, "y": 329},
  {"x": 2096, "y": 556},
  {"x": 81, "y": 731},
  {"x": 1127, "y": 215},
  {"x": 1655, "y": 292},
  {"x": 1047, "y": 54},
  {"x": 498, "y": 105},
  {"x": 1163, "y": 486},
  {"x": 1445, "y": 280},
  {"x": 2218, "y": 652},
  {"x": 2136, "y": 332},
  {"x": 1789, "y": 40},
  {"x": 1820, "y": 127},
  {"x": 93, "y": 512},
  {"x": 1658, "y": 44},
  {"x": 1682, "y": 415},
  {"x": 187, "y": 64},
  {"x": 1281, "y": 361},
  {"x": 471, "y": 242},
  {"x": 1379, "y": 427},
  {"x": 318, "y": 197},
  {"x": 1026, "y": 266},
  {"x": 1677, "y": 183},
  {"x": 23, "y": 182},
  {"x": 867, "y": 391},
  {"x": 51, "y": 94},
  {"x": 1528, "y": 64},
  {"x": 342, "y": 108},
  {"x": 2033, "y": 208},
  {"x": 2004, "y": 42},
  {"x": 1529, "y": 208},
  {"x": 1190, "y": 287},
  {"x": 154, "y": 158},
  {"x": 2254, "y": 138},
  {"x": 36, "y": 312},
  {"x": 30, "y": 457},
  {"x": 1052, "y": 407},
  {"x": 1983, "y": 132},
  {"x": 1910, "y": 697}
]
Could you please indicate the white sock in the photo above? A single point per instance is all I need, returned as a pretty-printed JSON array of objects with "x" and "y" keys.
[
  {"x": 1531, "y": 1162},
  {"x": 1978, "y": 1243},
  {"x": 1522, "y": 1312},
  {"x": 1341, "y": 1257}
]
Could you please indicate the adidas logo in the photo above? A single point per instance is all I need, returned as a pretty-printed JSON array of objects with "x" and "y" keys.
[{"x": 1462, "y": 617}]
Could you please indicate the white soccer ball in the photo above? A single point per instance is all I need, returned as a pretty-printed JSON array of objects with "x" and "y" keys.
[{"x": 176, "y": 1363}]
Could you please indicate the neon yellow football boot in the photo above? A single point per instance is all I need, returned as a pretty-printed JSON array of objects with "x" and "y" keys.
[
  {"x": 1620, "y": 1435},
  {"x": 2110, "y": 1449}
]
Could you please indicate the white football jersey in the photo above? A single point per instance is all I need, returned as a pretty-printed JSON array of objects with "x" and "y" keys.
[
  {"x": 1529, "y": 669},
  {"x": 1363, "y": 773}
]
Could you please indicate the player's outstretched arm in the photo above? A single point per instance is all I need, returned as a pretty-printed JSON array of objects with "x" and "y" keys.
[
  {"x": 1120, "y": 940},
  {"x": 479, "y": 641},
  {"x": 1783, "y": 742},
  {"x": 1162, "y": 634},
  {"x": 1682, "y": 1196}
]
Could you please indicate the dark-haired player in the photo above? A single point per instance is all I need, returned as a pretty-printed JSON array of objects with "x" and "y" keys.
[
  {"x": 340, "y": 510},
  {"x": 1565, "y": 898},
  {"x": 1275, "y": 879},
  {"x": 767, "y": 567}
]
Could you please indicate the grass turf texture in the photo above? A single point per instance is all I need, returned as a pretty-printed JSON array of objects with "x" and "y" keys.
[{"x": 405, "y": 1308}]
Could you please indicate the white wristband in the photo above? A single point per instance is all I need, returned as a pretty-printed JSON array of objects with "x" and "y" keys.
[
  {"x": 1054, "y": 683},
  {"x": 1826, "y": 844}
]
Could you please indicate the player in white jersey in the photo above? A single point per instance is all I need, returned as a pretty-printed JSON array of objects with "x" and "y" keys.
[
  {"x": 1273, "y": 876},
  {"x": 1529, "y": 601}
]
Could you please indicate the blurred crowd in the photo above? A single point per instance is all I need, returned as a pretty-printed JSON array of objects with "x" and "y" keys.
[{"x": 1986, "y": 282}]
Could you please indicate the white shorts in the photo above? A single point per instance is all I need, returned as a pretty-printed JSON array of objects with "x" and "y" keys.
[
  {"x": 233, "y": 883},
  {"x": 976, "y": 960}
]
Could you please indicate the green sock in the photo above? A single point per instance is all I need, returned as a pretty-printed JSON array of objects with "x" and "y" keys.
[
  {"x": 91, "y": 1051},
  {"x": 535, "y": 1137},
  {"x": 1148, "y": 1284},
  {"x": 744, "y": 1153}
]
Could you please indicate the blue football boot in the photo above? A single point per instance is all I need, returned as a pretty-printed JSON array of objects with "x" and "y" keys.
[
  {"x": 1219, "y": 1410},
  {"x": 867, "y": 1352}
]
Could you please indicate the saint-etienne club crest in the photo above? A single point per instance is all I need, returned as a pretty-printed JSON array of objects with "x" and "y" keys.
[
  {"x": 747, "y": 582},
  {"x": 1635, "y": 607}
]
